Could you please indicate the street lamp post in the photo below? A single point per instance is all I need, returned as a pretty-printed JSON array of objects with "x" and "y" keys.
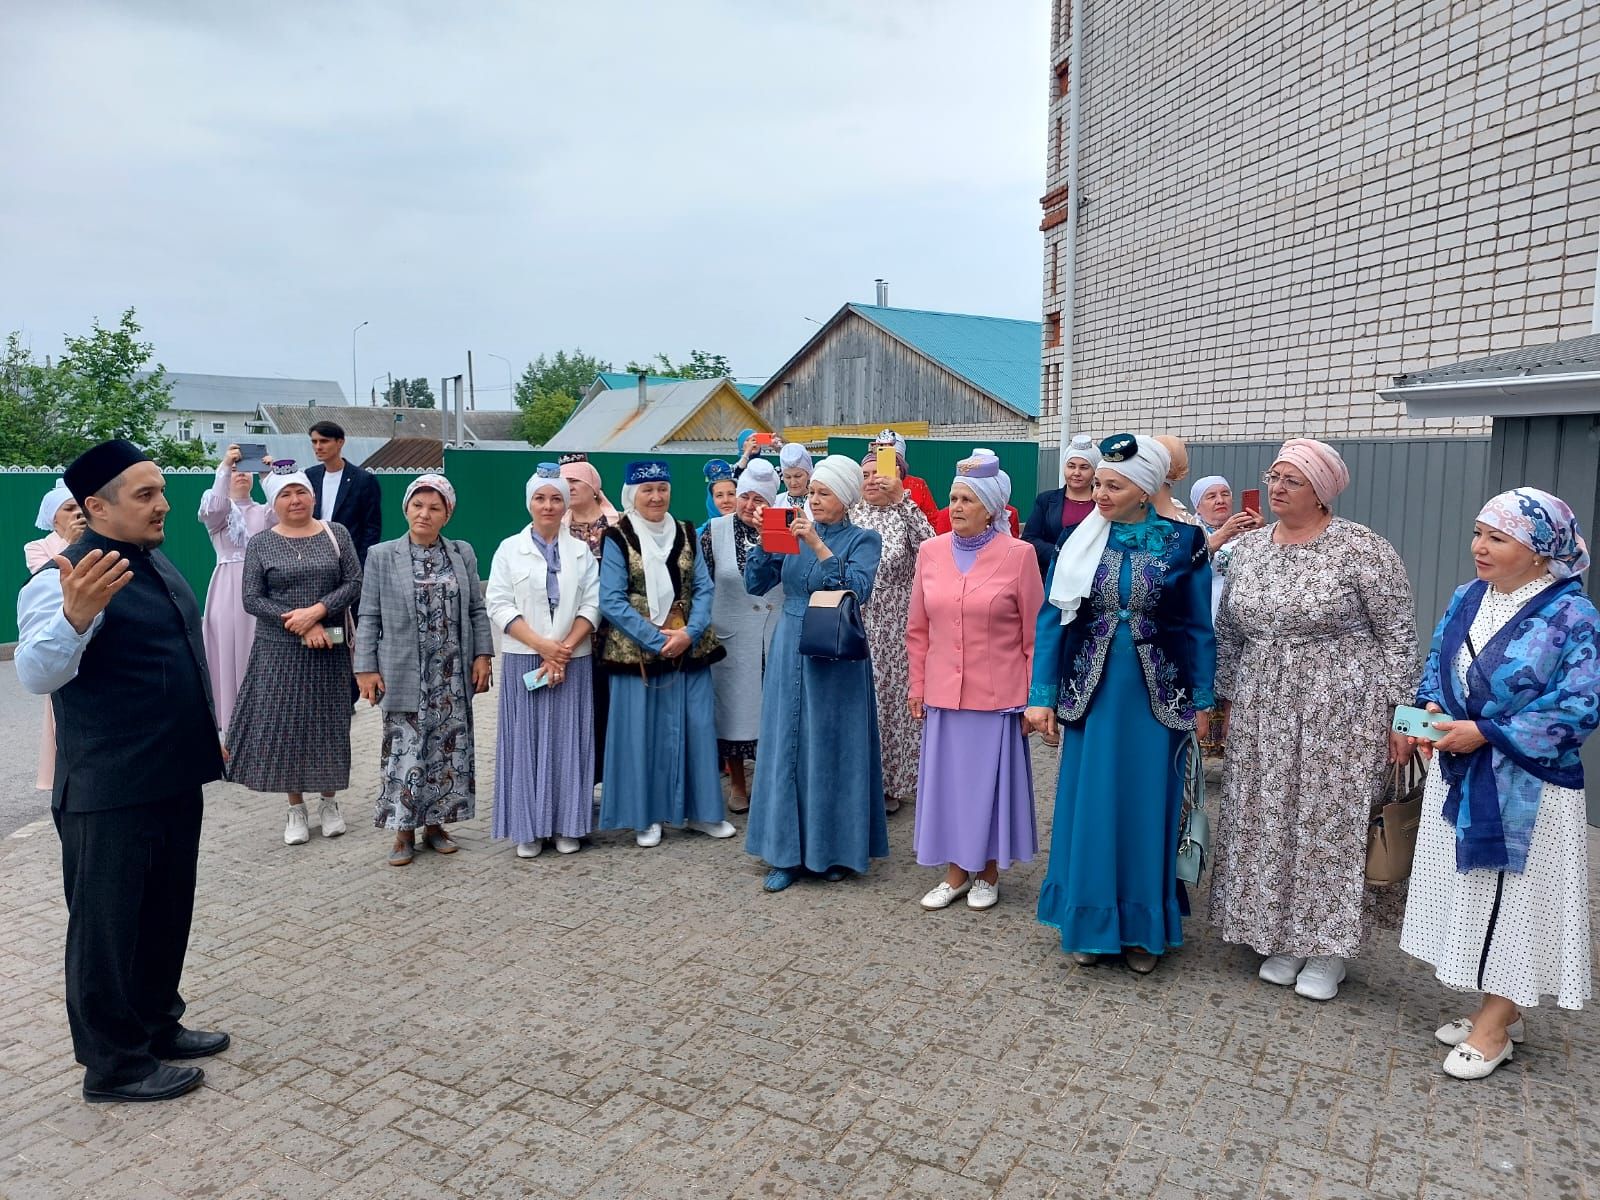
[
  {"x": 510, "y": 385},
  {"x": 355, "y": 396}
]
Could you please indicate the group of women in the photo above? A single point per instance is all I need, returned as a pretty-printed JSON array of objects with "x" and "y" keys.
[{"x": 663, "y": 657}]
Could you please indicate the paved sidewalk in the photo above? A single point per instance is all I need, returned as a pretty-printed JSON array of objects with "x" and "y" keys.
[{"x": 625, "y": 1022}]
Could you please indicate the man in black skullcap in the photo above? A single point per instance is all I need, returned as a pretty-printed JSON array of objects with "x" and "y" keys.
[{"x": 110, "y": 630}]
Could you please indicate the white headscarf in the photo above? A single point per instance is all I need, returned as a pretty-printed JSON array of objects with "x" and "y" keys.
[
  {"x": 1082, "y": 446},
  {"x": 273, "y": 484},
  {"x": 1146, "y": 468},
  {"x": 841, "y": 475},
  {"x": 993, "y": 491},
  {"x": 655, "y": 548},
  {"x": 51, "y": 505},
  {"x": 792, "y": 455},
  {"x": 555, "y": 483},
  {"x": 758, "y": 479}
]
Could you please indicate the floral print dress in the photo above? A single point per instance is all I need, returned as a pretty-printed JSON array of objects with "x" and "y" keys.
[
  {"x": 903, "y": 528},
  {"x": 1315, "y": 642},
  {"x": 428, "y": 772}
]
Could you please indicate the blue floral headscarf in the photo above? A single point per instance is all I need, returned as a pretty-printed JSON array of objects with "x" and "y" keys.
[{"x": 1544, "y": 524}]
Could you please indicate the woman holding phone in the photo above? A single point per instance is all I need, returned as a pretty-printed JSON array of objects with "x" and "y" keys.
[
  {"x": 544, "y": 595},
  {"x": 1212, "y": 500},
  {"x": 1499, "y": 896},
  {"x": 423, "y": 650}
]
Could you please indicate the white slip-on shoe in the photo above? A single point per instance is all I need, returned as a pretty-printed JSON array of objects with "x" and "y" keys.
[
  {"x": 297, "y": 832},
  {"x": 983, "y": 894},
  {"x": 1281, "y": 969},
  {"x": 649, "y": 837},
  {"x": 713, "y": 829},
  {"x": 944, "y": 895},
  {"x": 331, "y": 818},
  {"x": 566, "y": 845},
  {"x": 1464, "y": 1062},
  {"x": 1460, "y": 1030},
  {"x": 530, "y": 849},
  {"x": 1320, "y": 978}
]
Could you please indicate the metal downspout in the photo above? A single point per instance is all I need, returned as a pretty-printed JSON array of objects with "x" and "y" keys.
[{"x": 1070, "y": 285}]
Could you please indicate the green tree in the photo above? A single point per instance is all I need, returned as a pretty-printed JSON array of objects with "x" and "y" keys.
[
  {"x": 101, "y": 387},
  {"x": 550, "y": 389},
  {"x": 410, "y": 393},
  {"x": 702, "y": 364}
]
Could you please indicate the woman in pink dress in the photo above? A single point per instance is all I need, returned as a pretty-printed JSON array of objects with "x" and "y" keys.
[
  {"x": 232, "y": 517},
  {"x": 62, "y": 520}
]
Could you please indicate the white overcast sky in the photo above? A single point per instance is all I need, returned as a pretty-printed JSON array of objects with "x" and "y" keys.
[{"x": 511, "y": 178}]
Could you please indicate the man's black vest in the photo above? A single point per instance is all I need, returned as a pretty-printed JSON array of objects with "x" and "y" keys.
[{"x": 137, "y": 724}]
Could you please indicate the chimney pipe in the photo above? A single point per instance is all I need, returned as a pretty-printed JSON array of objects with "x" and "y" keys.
[
  {"x": 642, "y": 386},
  {"x": 883, "y": 292}
]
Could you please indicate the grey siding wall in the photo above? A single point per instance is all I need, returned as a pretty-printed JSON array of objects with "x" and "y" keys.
[{"x": 859, "y": 375}]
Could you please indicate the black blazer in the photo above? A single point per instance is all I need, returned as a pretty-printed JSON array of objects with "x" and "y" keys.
[
  {"x": 1043, "y": 530},
  {"x": 359, "y": 507}
]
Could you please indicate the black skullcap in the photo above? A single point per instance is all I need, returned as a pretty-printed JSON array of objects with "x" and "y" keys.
[{"x": 99, "y": 465}]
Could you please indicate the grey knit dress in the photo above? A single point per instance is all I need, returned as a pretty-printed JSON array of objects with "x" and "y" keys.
[{"x": 291, "y": 723}]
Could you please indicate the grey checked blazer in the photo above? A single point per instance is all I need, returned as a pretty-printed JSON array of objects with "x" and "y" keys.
[{"x": 386, "y": 637}]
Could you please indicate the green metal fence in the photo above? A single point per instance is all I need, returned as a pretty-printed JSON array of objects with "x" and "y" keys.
[{"x": 489, "y": 489}]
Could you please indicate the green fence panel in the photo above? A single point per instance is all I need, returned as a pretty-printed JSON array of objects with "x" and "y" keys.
[{"x": 935, "y": 459}]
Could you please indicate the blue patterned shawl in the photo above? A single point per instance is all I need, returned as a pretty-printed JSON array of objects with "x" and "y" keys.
[{"x": 1534, "y": 692}]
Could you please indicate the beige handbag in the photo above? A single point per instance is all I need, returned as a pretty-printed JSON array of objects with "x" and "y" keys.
[{"x": 1392, "y": 830}]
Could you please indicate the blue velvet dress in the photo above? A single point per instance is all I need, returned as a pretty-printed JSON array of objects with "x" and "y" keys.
[
  {"x": 817, "y": 800},
  {"x": 1127, "y": 706},
  {"x": 661, "y": 742}
]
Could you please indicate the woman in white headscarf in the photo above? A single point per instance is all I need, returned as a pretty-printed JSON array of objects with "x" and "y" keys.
[
  {"x": 656, "y": 596},
  {"x": 232, "y": 517},
  {"x": 1124, "y": 659},
  {"x": 1058, "y": 510},
  {"x": 63, "y": 524},
  {"x": 817, "y": 805},
  {"x": 795, "y": 466}
]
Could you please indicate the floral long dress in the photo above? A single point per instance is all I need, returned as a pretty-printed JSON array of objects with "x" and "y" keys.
[
  {"x": 903, "y": 528},
  {"x": 1314, "y": 643},
  {"x": 428, "y": 775}
]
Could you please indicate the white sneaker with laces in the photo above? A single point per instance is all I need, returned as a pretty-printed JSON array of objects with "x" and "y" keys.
[
  {"x": 331, "y": 818},
  {"x": 297, "y": 832},
  {"x": 1281, "y": 969},
  {"x": 1465, "y": 1062},
  {"x": 566, "y": 845},
  {"x": 1460, "y": 1030},
  {"x": 715, "y": 829},
  {"x": 530, "y": 849},
  {"x": 1320, "y": 978},
  {"x": 649, "y": 837},
  {"x": 983, "y": 894},
  {"x": 944, "y": 895}
]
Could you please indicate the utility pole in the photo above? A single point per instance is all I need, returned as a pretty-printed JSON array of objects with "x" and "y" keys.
[{"x": 472, "y": 392}]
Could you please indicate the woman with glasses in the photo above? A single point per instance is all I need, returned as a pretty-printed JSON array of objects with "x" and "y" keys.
[{"x": 1315, "y": 643}]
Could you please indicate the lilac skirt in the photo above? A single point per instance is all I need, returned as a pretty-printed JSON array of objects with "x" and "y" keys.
[
  {"x": 544, "y": 763},
  {"x": 974, "y": 791}
]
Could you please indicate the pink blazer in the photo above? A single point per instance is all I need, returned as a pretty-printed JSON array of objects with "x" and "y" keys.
[{"x": 970, "y": 637}]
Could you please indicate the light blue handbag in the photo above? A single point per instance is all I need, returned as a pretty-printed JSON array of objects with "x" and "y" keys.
[{"x": 1194, "y": 827}]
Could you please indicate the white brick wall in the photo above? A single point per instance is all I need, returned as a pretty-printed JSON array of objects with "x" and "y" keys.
[{"x": 1287, "y": 205}]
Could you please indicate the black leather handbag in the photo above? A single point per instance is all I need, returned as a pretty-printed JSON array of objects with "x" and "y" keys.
[{"x": 832, "y": 628}]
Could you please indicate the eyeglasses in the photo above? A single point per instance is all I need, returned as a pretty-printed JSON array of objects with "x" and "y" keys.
[{"x": 1273, "y": 479}]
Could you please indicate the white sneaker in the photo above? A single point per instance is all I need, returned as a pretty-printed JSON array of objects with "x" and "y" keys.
[
  {"x": 1464, "y": 1062},
  {"x": 983, "y": 894},
  {"x": 649, "y": 837},
  {"x": 715, "y": 829},
  {"x": 566, "y": 845},
  {"x": 944, "y": 895},
  {"x": 599, "y": 788},
  {"x": 1460, "y": 1030},
  {"x": 330, "y": 816},
  {"x": 1320, "y": 978},
  {"x": 530, "y": 849},
  {"x": 1281, "y": 969},
  {"x": 297, "y": 832}
]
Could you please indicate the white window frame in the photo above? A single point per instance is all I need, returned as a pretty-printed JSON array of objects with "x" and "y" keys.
[{"x": 218, "y": 428}]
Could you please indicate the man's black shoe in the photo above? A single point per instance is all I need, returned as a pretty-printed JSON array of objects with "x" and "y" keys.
[
  {"x": 191, "y": 1043},
  {"x": 163, "y": 1083}
]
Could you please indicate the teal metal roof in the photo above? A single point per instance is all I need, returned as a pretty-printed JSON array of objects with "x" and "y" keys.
[
  {"x": 995, "y": 354},
  {"x": 614, "y": 380}
]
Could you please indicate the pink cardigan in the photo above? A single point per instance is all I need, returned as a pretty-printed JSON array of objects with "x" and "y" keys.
[{"x": 970, "y": 637}]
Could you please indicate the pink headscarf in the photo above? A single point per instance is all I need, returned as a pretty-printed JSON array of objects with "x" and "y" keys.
[
  {"x": 584, "y": 472},
  {"x": 1320, "y": 462}
]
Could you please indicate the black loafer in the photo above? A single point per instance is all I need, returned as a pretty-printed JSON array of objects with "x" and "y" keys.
[
  {"x": 191, "y": 1043},
  {"x": 164, "y": 1083}
]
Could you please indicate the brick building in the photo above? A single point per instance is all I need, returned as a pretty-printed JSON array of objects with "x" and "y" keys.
[{"x": 1285, "y": 206}]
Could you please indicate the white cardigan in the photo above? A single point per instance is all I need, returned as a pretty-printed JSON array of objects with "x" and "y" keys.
[{"x": 516, "y": 589}]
